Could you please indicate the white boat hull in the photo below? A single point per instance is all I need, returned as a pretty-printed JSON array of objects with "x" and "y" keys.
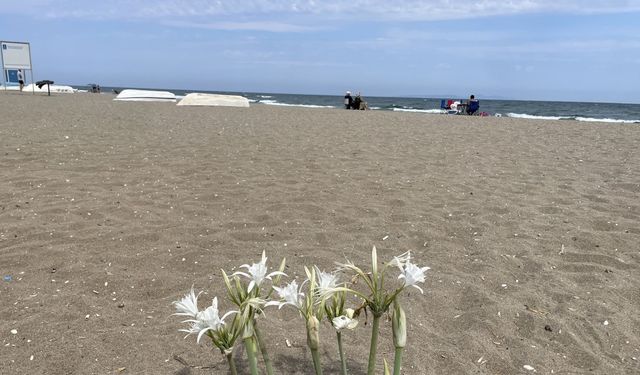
[
  {"x": 145, "y": 96},
  {"x": 199, "y": 99}
]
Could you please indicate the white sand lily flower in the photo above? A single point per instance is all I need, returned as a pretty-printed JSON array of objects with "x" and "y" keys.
[
  {"x": 208, "y": 319},
  {"x": 345, "y": 321},
  {"x": 195, "y": 327},
  {"x": 188, "y": 305},
  {"x": 341, "y": 322},
  {"x": 257, "y": 273},
  {"x": 289, "y": 295},
  {"x": 400, "y": 260},
  {"x": 413, "y": 274},
  {"x": 326, "y": 283}
]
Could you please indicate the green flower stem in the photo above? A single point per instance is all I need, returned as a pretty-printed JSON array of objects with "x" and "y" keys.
[
  {"x": 371, "y": 369},
  {"x": 315, "y": 354},
  {"x": 397, "y": 362},
  {"x": 250, "y": 346},
  {"x": 263, "y": 349},
  {"x": 232, "y": 364},
  {"x": 343, "y": 360},
  {"x": 316, "y": 361}
]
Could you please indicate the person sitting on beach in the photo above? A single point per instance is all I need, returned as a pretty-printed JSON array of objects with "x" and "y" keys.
[
  {"x": 348, "y": 100},
  {"x": 359, "y": 103},
  {"x": 473, "y": 105},
  {"x": 356, "y": 102}
]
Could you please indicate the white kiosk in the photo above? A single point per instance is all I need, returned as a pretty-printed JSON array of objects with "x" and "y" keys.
[{"x": 14, "y": 56}]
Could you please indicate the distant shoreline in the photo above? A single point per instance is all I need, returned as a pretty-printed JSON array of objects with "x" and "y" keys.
[{"x": 614, "y": 113}]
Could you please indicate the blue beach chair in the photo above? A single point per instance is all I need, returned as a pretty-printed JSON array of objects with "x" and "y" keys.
[{"x": 473, "y": 106}]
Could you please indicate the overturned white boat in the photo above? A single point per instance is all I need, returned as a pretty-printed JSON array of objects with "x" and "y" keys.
[
  {"x": 199, "y": 99},
  {"x": 57, "y": 89},
  {"x": 145, "y": 96}
]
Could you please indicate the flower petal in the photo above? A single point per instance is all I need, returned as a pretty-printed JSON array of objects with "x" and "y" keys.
[
  {"x": 202, "y": 332},
  {"x": 241, "y": 274},
  {"x": 227, "y": 314},
  {"x": 188, "y": 305},
  {"x": 275, "y": 273},
  {"x": 420, "y": 289}
]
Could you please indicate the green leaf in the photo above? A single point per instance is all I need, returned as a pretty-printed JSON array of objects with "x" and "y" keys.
[{"x": 387, "y": 371}]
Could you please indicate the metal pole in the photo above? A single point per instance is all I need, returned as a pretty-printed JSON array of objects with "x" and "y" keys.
[
  {"x": 3, "y": 71},
  {"x": 33, "y": 84}
]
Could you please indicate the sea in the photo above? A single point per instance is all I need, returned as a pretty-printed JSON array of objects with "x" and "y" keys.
[{"x": 529, "y": 109}]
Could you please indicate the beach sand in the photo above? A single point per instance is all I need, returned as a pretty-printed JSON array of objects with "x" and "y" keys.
[{"x": 109, "y": 211}]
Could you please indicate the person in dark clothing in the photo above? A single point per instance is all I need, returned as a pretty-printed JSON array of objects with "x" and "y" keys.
[
  {"x": 348, "y": 100},
  {"x": 473, "y": 105},
  {"x": 21, "y": 79},
  {"x": 356, "y": 102}
]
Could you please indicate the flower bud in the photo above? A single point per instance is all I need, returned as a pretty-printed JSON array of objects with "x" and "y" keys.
[
  {"x": 374, "y": 262},
  {"x": 399, "y": 326},
  {"x": 313, "y": 333}
]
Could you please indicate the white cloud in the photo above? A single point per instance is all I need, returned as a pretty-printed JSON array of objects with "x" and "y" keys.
[
  {"x": 373, "y": 10},
  {"x": 276, "y": 27}
]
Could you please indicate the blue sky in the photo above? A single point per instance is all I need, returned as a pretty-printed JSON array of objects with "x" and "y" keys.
[{"x": 575, "y": 50}]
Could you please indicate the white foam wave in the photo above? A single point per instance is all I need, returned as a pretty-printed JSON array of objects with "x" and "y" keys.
[
  {"x": 438, "y": 111},
  {"x": 265, "y": 96},
  {"x": 274, "y": 102},
  {"x": 611, "y": 120},
  {"x": 584, "y": 119},
  {"x": 532, "y": 117}
]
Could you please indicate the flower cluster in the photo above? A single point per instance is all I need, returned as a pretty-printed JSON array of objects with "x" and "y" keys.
[{"x": 321, "y": 295}]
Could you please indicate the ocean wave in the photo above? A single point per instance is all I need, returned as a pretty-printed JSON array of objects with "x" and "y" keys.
[
  {"x": 612, "y": 120},
  {"x": 534, "y": 117},
  {"x": 577, "y": 118},
  {"x": 437, "y": 111},
  {"x": 274, "y": 102}
]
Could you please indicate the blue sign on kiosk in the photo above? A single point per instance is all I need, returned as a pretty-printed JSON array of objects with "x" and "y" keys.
[{"x": 12, "y": 76}]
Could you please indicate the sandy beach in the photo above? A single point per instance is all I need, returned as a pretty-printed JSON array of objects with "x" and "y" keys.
[{"x": 109, "y": 211}]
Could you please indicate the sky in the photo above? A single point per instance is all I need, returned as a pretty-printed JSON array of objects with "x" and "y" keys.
[{"x": 569, "y": 50}]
